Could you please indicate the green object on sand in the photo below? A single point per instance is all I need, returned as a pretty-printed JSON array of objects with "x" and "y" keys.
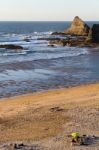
[{"x": 75, "y": 135}]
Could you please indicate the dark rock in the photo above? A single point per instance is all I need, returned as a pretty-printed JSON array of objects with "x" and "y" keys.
[
  {"x": 61, "y": 42},
  {"x": 78, "y": 27},
  {"x": 59, "y": 33},
  {"x": 79, "y": 42},
  {"x": 56, "y": 109},
  {"x": 11, "y": 46},
  {"x": 95, "y": 33},
  {"x": 51, "y": 45},
  {"x": 26, "y": 40},
  {"x": 49, "y": 39}
]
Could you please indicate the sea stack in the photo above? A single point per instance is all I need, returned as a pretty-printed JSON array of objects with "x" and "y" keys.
[
  {"x": 78, "y": 27},
  {"x": 95, "y": 33}
]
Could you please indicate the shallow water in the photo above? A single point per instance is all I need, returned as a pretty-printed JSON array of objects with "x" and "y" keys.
[{"x": 39, "y": 67}]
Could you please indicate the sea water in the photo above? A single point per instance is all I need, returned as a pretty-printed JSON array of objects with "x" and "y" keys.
[{"x": 38, "y": 67}]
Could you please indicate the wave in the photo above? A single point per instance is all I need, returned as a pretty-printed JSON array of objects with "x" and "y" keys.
[
  {"x": 13, "y": 54},
  {"x": 43, "y": 33},
  {"x": 37, "y": 56},
  {"x": 44, "y": 52},
  {"x": 58, "y": 56},
  {"x": 21, "y": 39}
]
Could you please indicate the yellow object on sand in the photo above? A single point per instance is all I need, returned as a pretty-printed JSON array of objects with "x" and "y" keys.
[{"x": 75, "y": 135}]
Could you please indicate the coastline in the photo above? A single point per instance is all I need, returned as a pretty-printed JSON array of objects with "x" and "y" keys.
[
  {"x": 47, "y": 115},
  {"x": 46, "y": 91},
  {"x": 15, "y": 97},
  {"x": 71, "y": 61}
]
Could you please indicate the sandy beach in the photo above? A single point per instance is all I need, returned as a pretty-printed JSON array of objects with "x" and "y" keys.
[{"x": 48, "y": 118}]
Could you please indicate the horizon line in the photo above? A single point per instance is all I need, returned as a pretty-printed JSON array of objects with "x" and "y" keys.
[{"x": 43, "y": 20}]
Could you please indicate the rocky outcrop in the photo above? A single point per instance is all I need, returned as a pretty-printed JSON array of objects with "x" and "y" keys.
[
  {"x": 78, "y": 27},
  {"x": 48, "y": 39},
  {"x": 11, "y": 46},
  {"x": 58, "y": 33},
  {"x": 78, "y": 42},
  {"x": 95, "y": 33},
  {"x": 79, "y": 34}
]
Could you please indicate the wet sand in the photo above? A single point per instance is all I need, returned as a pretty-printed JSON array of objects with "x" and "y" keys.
[{"x": 49, "y": 117}]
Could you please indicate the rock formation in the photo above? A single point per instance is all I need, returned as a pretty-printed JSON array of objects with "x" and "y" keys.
[
  {"x": 79, "y": 34},
  {"x": 95, "y": 33},
  {"x": 78, "y": 27},
  {"x": 11, "y": 46}
]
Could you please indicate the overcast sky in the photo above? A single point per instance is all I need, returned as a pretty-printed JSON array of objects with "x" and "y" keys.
[{"x": 48, "y": 10}]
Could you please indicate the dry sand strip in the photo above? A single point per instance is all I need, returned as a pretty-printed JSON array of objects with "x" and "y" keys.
[{"x": 49, "y": 117}]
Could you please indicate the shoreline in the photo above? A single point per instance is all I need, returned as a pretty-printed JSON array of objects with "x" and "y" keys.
[{"x": 49, "y": 90}]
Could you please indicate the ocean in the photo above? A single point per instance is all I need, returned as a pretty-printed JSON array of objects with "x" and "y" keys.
[{"x": 38, "y": 67}]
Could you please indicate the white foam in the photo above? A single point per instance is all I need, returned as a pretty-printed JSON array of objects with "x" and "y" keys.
[{"x": 12, "y": 54}]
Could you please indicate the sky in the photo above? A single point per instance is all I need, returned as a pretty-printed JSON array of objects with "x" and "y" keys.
[{"x": 48, "y": 10}]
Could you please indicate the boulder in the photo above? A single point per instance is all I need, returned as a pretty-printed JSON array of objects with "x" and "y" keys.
[
  {"x": 11, "y": 46},
  {"x": 95, "y": 33},
  {"x": 78, "y": 27}
]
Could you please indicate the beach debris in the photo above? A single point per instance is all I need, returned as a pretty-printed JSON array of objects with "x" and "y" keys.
[
  {"x": 20, "y": 146},
  {"x": 77, "y": 139},
  {"x": 56, "y": 109}
]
